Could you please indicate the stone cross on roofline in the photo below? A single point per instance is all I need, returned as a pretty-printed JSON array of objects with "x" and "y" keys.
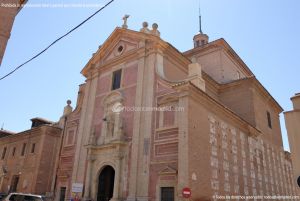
[{"x": 125, "y": 21}]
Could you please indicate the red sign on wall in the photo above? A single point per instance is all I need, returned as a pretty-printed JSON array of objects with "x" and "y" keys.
[{"x": 186, "y": 192}]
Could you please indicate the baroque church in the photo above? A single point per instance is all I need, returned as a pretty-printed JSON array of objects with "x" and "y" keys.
[{"x": 151, "y": 121}]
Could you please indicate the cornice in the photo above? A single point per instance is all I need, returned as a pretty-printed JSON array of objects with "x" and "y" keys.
[
  {"x": 234, "y": 83},
  {"x": 211, "y": 46},
  {"x": 111, "y": 145},
  {"x": 221, "y": 43},
  {"x": 128, "y": 57},
  {"x": 256, "y": 85},
  {"x": 210, "y": 81},
  {"x": 212, "y": 104},
  {"x": 158, "y": 46},
  {"x": 264, "y": 92},
  {"x": 172, "y": 53},
  {"x": 292, "y": 111},
  {"x": 167, "y": 98},
  {"x": 37, "y": 131}
]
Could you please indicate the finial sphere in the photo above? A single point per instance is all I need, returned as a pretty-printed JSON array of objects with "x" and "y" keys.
[
  {"x": 69, "y": 102},
  {"x": 145, "y": 24},
  {"x": 154, "y": 26}
]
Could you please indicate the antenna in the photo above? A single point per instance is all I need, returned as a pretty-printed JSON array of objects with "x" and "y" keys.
[{"x": 200, "y": 28}]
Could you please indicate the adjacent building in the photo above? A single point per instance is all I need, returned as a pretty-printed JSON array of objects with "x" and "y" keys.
[
  {"x": 4, "y": 133},
  {"x": 151, "y": 120},
  {"x": 28, "y": 158},
  {"x": 8, "y": 11},
  {"x": 292, "y": 122}
]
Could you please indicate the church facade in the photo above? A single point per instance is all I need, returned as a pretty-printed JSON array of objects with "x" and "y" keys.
[{"x": 151, "y": 120}]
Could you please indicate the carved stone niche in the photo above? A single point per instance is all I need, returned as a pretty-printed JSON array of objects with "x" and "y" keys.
[{"x": 112, "y": 129}]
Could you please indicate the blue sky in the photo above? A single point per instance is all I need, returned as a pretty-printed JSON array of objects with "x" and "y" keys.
[{"x": 265, "y": 34}]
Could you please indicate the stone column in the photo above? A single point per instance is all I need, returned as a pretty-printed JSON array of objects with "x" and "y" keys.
[
  {"x": 88, "y": 180},
  {"x": 116, "y": 195},
  {"x": 84, "y": 130},
  {"x": 142, "y": 130},
  {"x": 132, "y": 191},
  {"x": 183, "y": 152},
  {"x": 146, "y": 130}
]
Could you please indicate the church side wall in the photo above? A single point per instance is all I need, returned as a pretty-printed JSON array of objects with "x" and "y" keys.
[
  {"x": 225, "y": 158},
  {"x": 261, "y": 106},
  {"x": 239, "y": 99}
]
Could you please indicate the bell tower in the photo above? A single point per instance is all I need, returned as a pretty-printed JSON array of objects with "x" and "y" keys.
[{"x": 200, "y": 39}]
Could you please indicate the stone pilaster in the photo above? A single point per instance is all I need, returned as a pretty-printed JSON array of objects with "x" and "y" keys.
[
  {"x": 136, "y": 128},
  {"x": 84, "y": 128},
  {"x": 140, "y": 151},
  {"x": 183, "y": 156},
  {"x": 88, "y": 180},
  {"x": 146, "y": 128},
  {"x": 118, "y": 168}
]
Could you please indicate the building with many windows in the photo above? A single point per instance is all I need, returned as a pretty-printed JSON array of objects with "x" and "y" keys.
[
  {"x": 28, "y": 158},
  {"x": 151, "y": 120}
]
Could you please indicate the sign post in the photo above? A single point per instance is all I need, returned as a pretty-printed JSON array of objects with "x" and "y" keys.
[
  {"x": 76, "y": 191},
  {"x": 186, "y": 192}
]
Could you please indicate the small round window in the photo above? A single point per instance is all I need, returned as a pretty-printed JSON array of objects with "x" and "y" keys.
[{"x": 120, "y": 49}]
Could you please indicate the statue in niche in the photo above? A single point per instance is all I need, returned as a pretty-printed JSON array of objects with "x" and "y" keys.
[
  {"x": 114, "y": 126},
  {"x": 92, "y": 139},
  {"x": 110, "y": 123},
  {"x": 119, "y": 129}
]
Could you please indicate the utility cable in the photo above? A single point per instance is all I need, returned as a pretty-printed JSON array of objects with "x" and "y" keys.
[{"x": 44, "y": 50}]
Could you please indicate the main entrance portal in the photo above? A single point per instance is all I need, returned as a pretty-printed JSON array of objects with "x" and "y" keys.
[{"x": 106, "y": 184}]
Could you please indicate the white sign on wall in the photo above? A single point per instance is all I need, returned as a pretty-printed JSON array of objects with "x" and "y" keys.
[{"x": 77, "y": 187}]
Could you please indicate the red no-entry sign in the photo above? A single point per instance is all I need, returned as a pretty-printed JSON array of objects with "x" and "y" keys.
[{"x": 186, "y": 192}]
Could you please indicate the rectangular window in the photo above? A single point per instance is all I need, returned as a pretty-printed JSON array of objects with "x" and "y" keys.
[
  {"x": 167, "y": 194},
  {"x": 116, "y": 79},
  {"x": 33, "y": 148},
  {"x": 23, "y": 149},
  {"x": 4, "y": 153},
  {"x": 13, "y": 151},
  {"x": 269, "y": 120}
]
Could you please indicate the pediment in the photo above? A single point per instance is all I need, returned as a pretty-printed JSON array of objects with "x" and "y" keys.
[
  {"x": 168, "y": 170},
  {"x": 123, "y": 42},
  {"x": 121, "y": 47}
]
